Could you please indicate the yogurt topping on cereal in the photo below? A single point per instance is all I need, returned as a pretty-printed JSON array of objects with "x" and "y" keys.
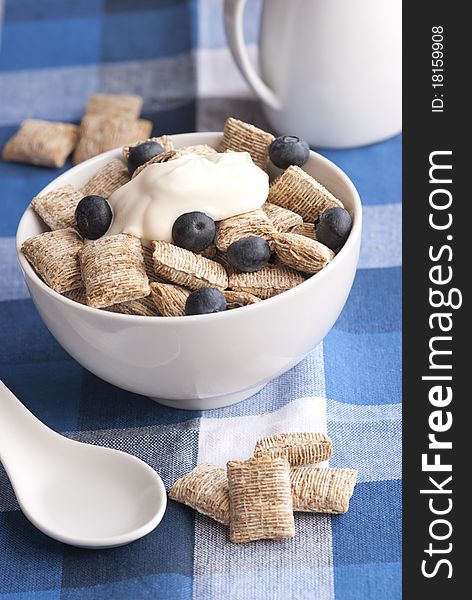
[{"x": 220, "y": 185}]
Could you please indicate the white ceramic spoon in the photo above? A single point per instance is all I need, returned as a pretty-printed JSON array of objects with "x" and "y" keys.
[{"x": 79, "y": 494}]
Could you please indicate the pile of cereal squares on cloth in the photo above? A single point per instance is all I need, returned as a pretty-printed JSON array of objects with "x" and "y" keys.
[
  {"x": 258, "y": 496},
  {"x": 110, "y": 121}
]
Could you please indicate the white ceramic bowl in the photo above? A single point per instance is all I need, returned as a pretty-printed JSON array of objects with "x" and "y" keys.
[{"x": 205, "y": 361}]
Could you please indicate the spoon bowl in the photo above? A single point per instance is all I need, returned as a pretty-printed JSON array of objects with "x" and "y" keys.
[
  {"x": 103, "y": 494},
  {"x": 76, "y": 493}
]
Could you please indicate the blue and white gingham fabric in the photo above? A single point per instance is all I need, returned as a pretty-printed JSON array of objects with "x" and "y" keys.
[{"x": 53, "y": 55}]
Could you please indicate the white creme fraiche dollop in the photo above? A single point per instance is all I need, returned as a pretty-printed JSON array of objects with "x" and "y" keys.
[{"x": 220, "y": 185}]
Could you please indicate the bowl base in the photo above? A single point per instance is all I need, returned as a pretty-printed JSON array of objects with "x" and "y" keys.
[{"x": 210, "y": 403}]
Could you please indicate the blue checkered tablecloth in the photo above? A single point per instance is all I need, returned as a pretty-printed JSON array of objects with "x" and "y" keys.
[{"x": 53, "y": 55}]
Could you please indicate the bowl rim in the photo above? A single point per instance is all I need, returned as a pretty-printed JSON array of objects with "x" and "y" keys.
[{"x": 29, "y": 272}]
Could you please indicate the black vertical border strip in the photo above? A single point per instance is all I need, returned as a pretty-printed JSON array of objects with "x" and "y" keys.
[{"x": 425, "y": 132}]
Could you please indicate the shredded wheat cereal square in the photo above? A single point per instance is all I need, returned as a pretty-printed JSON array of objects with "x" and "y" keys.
[
  {"x": 115, "y": 105},
  {"x": 187, "y": 269},
  {"x": 281, "y": 218},
  {"x": 238, "y": 299},
  {"x": 206, "y": 490},
  {"x": 200, "y": 149},
  {"x": 77, "y": 295},
  {"x": 260, "y": 500},
  {"x": 42, "y": 143},
  {"x": 57, "y": 207},
  {"x": 298, "y": 448},
  {"x": 269, "y": 281},
  {"x": 255, "y": 222},
  {"x": 322, "y": 490},
  {"x": 148, "y": 262},
  {"x": 299, "y": 192},
  {"x": 169, "y": 299},
  {"x": 106, "y": 181},
  {"x": 54, "y": 256},
  {"x": 244, "y": 137},
  {"x": 306, "y": 229},
  {"x": 222, "y": 259},
  {"x": 143, "y": 307},
  {"x": 99, "y": 133},
  {"x": 113, "y": 270},
  {"x": 302, "y": 253}
]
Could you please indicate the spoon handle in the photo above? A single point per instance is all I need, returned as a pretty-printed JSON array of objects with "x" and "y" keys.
[{"x": 19, "y": 429}]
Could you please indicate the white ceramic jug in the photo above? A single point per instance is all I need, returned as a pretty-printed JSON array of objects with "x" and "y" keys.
[{"x": 330, "y": 70}]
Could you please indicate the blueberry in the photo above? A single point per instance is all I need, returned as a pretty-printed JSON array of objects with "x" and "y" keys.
[
  {"x": 249, "y": 254},
  {"x": 193, "y": 231},
  {"x": 141, "y": 154},
  {"x": 93, "y": 216},
  {"x": 334, "y": 227},
  {"x": 204, "y": 301},
  {"x": 289, "y": 150}
]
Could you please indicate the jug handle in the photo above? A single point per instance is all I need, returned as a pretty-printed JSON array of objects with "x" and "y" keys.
[{"x": 233, "y": 19}]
